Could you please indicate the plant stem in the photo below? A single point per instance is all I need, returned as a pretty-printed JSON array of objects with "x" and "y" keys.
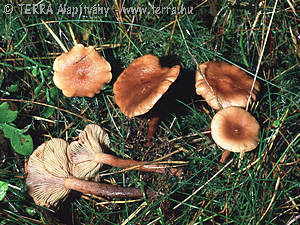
[
  {"x": 107, "y": 190},
  {"x": 137, "y": 165}
]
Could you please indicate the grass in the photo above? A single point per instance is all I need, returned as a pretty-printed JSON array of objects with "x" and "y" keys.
[{"x": 262, "y": 187}]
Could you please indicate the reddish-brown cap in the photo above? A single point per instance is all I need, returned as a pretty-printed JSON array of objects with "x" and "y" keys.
[
  {"x": 142, "y": 84},
  {"x": 81, "y": 72},
  {"x": 228, "y": 85},
  {"x": 48, "y": 167},
  {"x": 235, "y": 129}
]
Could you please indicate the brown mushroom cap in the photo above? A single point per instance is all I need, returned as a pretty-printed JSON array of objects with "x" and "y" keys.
[
  {"x": 142, "y": 84},
  {"x": 229, "y": 85},
  {"x": 82, "y": 152},
  {"x": 46, "y": 175},
  {"x": 81, "y": 72},
  {"x": 235, "y": 129}
]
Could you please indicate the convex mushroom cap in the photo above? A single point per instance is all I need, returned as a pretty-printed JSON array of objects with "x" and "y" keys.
[
  {"x": 142, "y": 84},
  {"x": 224, "y": 85},
  {"x": 81, "y": 72},
  {"x": 235, "y": 129}
]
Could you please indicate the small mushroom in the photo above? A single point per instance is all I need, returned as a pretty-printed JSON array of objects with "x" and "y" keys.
[
  {"x": 234, "y": 129},
  {"x": 49, "y": 179},
  {"x": 141, "y": 85},
  {"x": 222, "y": 85},
  {"x": 87, "y": 156},
  {"x": 81, "y": 72}
]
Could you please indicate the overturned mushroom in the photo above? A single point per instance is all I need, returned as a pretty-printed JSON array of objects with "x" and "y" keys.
[
  {"x": 141, "y": 85},
  {"x": 87, "y": 156},
  {"x": 222, "y": 85},
  {"x": 234, "y": 129},
  {"x": 49, "y": 180},
  {"x": 81, "y": 72}
]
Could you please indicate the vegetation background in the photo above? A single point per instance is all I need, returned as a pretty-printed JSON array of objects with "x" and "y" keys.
[{"x": 262, "y": 37}]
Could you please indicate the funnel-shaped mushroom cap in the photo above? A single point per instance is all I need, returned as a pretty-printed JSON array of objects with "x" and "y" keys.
[
  {"x": 47, "y": 168},
  {"x": 228, "y": 85},
  {"x": 235, "y": 129},
  {"x": 82, "y": 152},
  {"x": 142, "y": 84},
  {"x": 81, "y": 72}
]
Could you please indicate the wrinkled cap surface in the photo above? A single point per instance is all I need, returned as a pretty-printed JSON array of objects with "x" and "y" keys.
[
  {"x": 81, "y": 153},
  {"x": 47, "y": 168},
  {"x": 142, "y": 84},
  {"x": 235, "y": 129},
  {"x": 81, "y": 72},
  {"x": 228, "y": 85}
]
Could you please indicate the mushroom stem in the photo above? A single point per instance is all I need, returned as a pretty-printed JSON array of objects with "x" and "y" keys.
[
  {"x": 107, "y": 190},
  {"x": 152, "y": 128},
  {"x": 225, "y": 156},
  {"x": 127, "y": 163}
]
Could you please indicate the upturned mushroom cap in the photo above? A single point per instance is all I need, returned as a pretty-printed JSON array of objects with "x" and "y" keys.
[
  {"x": 81, "y": 72},
  {"x": 228, "y": 85},
  {"x": 81, "y": 153},
  {"x": 235, "y": 129},
  {"x": 142, "y": 84},
  {"x": 49, "y": 179},
  {"x": 44, "y": 165}
]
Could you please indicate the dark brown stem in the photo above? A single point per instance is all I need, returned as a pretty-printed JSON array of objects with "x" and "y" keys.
[
  {"x": 137, "y": 165},
  {"x": 152, "y": 128},
  {"x": 107, "y": 190},
  {"x": 224, "y": 156}
]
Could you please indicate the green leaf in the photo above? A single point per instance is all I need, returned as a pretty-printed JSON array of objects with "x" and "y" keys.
[
  {"x": 54, "y": 93},
  {"x": 276, "y": 123},
  {"x": 48, "y": 111},
  {"x": 46, "y": 72},
  {"x": 7, "y": 115},
  {"x": 38, "y": 88},
  {"x": 20, "y": 142},
  {"x": 13, "y": 88},
  {"x": 30, "y": 211},
  {"x": 35, "y": 71},
  {"x": 3, "y": 189}
]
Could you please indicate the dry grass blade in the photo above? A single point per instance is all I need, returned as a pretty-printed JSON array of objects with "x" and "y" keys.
[
  {"x": 143, "y": 205},
  {"x": 55, "y": 36},
  {"x": 261, "y": 54},
  {"x": 272, "y": 200}
]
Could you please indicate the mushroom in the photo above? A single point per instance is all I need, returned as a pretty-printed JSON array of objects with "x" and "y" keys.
[
  {"x": 222, "y": 84},
  {"x": 81, "y": 72},
  {"x": 235, "y": 130},
  {"x": 49, "y": 179},
  {"x": 141, "y": 85},
  {"x": 87, "y": 156}
]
